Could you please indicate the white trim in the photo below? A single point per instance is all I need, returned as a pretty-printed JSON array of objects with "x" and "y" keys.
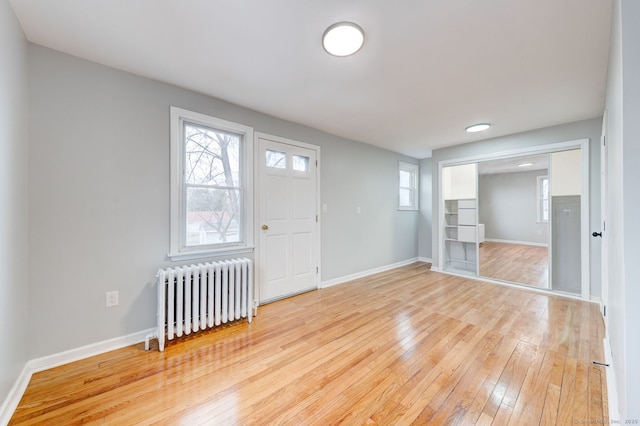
[
  {"x": 10, "y": 403},
  {"x": 61, "y": 358},
  {"x": 425, "y": 259},
  {"x": 604, "y": 217},
  {"x": 524, "y": 243},
  {"x": 610, "y": 374},
  {"x": 351, "y": 277},
  {"x": 539, "y": 149},
  {"x": 585, "y": 223},
  {"x": 287, "y": 141},
  {"x": 176, "y": 217},
  {"x": 191, "y": 255}
]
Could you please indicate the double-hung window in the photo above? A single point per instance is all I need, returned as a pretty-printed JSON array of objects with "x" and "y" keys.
[
  {"x": 211, "y": 175},
  {"x": 408, "y": 186}
]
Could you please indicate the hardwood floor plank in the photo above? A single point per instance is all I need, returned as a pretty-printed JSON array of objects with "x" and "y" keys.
[
  {"x": 581, "y": 389},
  {"x": 565, "y": 406},
  {"x": 516, "y": 383},
  {"x": 492, "y": 371},
  {"x": 402, "y": 347},
  {"x": 520, "y": 411},
  {"x": 596, "y": 406}
]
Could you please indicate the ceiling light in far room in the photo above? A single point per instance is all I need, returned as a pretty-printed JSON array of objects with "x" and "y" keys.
[
  {"x": 525, "y": 164},
  {"x": 480, "y": 127},
  {"x": 343, "y": 39}
]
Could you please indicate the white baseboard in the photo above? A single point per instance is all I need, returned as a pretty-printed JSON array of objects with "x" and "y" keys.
[
  {"x": 54, "y": 360},
  {"x": 351, "y": 277},
  {"x": 15, "y": 394},
  {"x": 612, "y": 390},
  {"x": 10, "y": 403},
  {"x": 425, "y": 259},
  {"x": 524, "y": 243}
]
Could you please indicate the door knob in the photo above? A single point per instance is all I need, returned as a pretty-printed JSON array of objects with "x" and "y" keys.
[
  {"x": 265, "y": 227},
  {"x": 597, "y": 234}
]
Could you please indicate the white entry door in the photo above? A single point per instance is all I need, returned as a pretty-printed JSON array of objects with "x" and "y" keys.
[{"x": 288, "y": 251}]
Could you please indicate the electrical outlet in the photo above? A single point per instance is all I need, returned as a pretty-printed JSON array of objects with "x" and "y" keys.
[{"x": 111, "y": 299}]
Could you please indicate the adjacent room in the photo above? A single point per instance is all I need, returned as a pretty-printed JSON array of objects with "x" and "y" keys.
[{"x": 225, "y": 213}]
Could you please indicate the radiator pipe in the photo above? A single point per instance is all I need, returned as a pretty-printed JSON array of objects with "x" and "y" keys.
[{"x": 150, "y": 336}]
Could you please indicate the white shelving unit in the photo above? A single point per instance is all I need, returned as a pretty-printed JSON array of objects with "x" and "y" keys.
[{"x": 461, "y": 236}]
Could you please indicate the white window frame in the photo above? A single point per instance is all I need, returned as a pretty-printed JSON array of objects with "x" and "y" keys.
[
  {"x": 414, "y": 169},
  {"x": 539, "y": 200},
  {"x": 178, "y": 248}
]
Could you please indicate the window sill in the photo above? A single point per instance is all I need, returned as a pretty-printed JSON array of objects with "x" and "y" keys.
[
  {"x": 408, "y": 209},
  {"x": 192, "y": 255}
]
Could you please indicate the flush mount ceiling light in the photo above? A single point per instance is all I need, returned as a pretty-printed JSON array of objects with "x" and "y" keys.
[
  {"x": 343, "y": 39},
  {"x": 480, "y": 127},
  {"x": 525, "y": 164}
]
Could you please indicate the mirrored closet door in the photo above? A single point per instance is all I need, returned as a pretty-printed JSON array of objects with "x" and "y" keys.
[
  {"x": 513, "y": 212},
  {"x": 516, "y": 219}
]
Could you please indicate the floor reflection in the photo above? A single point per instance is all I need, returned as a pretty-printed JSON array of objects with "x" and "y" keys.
[{"x": 517, "y": 263}]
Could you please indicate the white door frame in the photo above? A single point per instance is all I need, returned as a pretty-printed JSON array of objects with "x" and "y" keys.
[
  {"x": 604, "y": 216},
  {"x": 259, "y": 187}
]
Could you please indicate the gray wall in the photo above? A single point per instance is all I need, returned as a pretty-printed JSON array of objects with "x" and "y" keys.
[
  {"x": 590, "y": 129},
  {"x": 13, "y": 199},
  {"x": 99, "y": 197},
  {"x": 426, "y": 214},
  {"x": 623, "y": 228},
  {"x": 508, "y": 206}
]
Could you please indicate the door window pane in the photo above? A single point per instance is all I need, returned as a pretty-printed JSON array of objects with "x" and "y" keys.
[
  {"x": 300, "y": 163},
  {"x": 276, "y": 159}
]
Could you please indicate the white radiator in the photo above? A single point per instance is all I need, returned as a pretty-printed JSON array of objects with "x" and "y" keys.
[{"x": 198, "y": 297}]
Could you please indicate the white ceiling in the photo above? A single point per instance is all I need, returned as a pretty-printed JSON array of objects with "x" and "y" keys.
[{"x": 428, "y": 68}]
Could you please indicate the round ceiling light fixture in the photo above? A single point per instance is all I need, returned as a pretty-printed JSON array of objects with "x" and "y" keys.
[
  {"x": 480, "y": 127},
  {"x": 343, "y": 39}
]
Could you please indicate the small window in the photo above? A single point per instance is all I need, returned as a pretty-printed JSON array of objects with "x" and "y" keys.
[
  {"x": 408, "y": 186},
  {"x": 276, "y": 159},
  {"x": 210, "y": 186},
  {"x": 543, "y": 199},
  {"x": 300, "y": 163}
]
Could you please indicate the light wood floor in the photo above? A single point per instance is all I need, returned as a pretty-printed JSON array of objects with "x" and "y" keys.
[
  {"x": 517, "y": 263},
  {"x": 408, "y": 346}
]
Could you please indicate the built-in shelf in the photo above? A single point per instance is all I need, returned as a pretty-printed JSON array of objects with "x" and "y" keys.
[{"x": 461, "y": 236}]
